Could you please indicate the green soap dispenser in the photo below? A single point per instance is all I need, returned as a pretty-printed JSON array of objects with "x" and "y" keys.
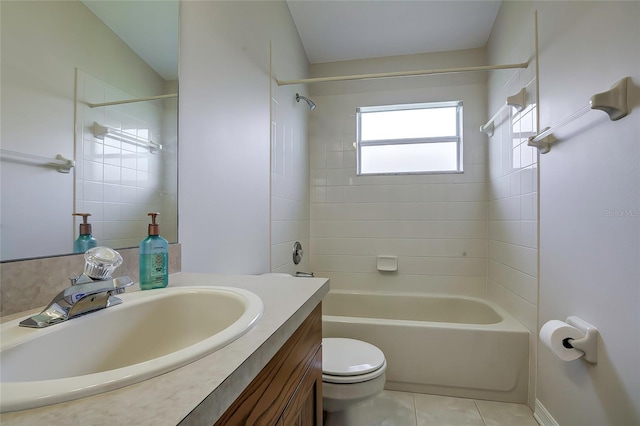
[
  {"x": 85, "y": 240},
  {"x": 154, "y": 258}
]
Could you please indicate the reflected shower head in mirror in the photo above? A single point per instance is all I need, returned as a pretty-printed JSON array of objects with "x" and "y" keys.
[{"x": 309, "y": 102}]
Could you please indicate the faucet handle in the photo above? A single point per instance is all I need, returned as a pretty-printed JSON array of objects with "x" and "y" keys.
[
  {"x": 120, "y": 283},
  {"x": 100, "y": 262}
]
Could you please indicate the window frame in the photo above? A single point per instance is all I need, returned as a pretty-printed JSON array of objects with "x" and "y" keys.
[{"x": 458, "y": 138}]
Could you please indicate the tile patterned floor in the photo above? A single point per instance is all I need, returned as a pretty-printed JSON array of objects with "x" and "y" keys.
[{"x": 392, "y": 408}]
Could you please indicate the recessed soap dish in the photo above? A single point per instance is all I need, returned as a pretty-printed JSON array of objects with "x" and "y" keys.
[{"x": 387, "y": 263}]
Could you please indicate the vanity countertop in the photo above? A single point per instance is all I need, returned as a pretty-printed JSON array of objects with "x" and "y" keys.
[{"x": 200, "y": 392}]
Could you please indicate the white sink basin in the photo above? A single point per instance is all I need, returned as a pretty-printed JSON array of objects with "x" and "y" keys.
[{"x": 150, "y": 333}]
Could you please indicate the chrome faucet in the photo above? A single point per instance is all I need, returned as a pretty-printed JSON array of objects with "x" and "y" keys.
[
  {"x": 86, "y": 294},
  {"x": 83, "y": 297}
]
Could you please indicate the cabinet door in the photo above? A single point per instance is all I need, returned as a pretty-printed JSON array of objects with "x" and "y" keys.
[
  {"x": 268, "y": 396},
  {"x": 305, "y": 407}
]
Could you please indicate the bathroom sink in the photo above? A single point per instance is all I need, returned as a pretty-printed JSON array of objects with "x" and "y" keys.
[{"x": 150, "y": 333}]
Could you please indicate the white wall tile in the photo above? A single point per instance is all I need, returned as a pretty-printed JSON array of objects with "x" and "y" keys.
[
  {"x": 112, "y": 174},
  {"x": 473, "y": 248},
  {"x": 92, "y": 191},
  {"x": 529, "y": 206},
  {"x": 437, "y": 223},
  {"x": 521, "y": 258},
  {"x": 92, "y": 150},
  {"x": 334, "y": 159},
  {"x": 336, "y": 177},
  {"x": 400, "y": 229},
  {"x": 97, "y": 211},
  {"x": 112, "y": 212},
  {"x": 517, "y": 306},
  {"x": 529, "y": 233},
  {"x": 113, "y": 193},
  {"x": 93, "y": 171},
  {"x": 520, "y": 283},
  {"x": 318, "y": 177},
  {"x": 112, "y": 156},
  {"x": 378, "y": 281},
  {"x": 505, "y": 231},
  {"x": 335, "y": 194},
  {"x": 455, "y": 266},
  {"x": 507, "y": 209},
  {"x": 318, "y": 194}
]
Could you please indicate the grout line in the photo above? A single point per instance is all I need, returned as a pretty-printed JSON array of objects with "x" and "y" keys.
[
  {"x": 480, "y": 412},
  {"x": 415, "y": 409}
]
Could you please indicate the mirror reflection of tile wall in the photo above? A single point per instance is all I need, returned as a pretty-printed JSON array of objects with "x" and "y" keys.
[
  {"x": 118, "y": 182},
  {"x": 44, "y": 44}
]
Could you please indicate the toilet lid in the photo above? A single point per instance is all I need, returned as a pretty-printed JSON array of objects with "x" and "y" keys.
[{"x": 349, "y": 357}]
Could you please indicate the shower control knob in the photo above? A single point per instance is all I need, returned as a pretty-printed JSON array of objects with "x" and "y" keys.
[{"x": 297, "y": 252}]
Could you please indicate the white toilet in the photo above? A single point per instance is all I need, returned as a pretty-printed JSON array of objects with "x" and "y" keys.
[{"x": 352, "y": 371}]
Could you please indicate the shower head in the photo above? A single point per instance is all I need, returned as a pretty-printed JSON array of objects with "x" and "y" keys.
[{"x": 309, "y": 102}]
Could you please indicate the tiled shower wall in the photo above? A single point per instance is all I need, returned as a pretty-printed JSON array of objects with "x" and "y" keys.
[
  {"x": 435, "y": 224},
  {"x": 120, "y": 182},
  {"x": 289, "y": 154},
  {"x": 512, "y": 276},
  {"x": 289, "y": 181},
  {"x": 513, "y": 204}
]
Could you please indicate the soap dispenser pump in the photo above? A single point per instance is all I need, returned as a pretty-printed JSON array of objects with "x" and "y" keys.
[
  {"x": 154, "y": 258},
  {"x": 85, "y": 240}
]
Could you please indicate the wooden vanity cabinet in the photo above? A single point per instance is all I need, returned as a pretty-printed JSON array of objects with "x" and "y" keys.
[{"x": 288, "y": 390}]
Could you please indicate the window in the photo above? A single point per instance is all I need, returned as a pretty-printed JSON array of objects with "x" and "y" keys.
[{"x": 414, "y": 138}]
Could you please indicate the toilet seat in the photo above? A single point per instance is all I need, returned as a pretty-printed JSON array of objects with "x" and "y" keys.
[{"x": 350, "y": 361}]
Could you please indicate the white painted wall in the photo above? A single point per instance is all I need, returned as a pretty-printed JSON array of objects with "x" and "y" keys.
[
  {"x": 225, "y": 146},
  {"x": 435, "y": 224},
  {"x": 42, "y": 44},
  {"x": 589, "y": 203},
  {"x": 589, "y": 255}
]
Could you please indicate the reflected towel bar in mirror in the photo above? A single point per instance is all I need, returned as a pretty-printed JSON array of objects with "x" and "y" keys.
[
  {"x": 100, "y": 132},
  {"x": 60, "y": 163}
]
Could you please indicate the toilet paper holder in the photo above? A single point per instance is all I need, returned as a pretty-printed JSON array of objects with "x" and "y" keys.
[{"x": 588, "y": 344}]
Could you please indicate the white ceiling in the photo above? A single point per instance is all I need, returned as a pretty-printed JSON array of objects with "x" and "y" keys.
[
  {"x": 330, "y": 30},
  {"x": 341, "y": 30},
  {"x": 149, "y": 28}
]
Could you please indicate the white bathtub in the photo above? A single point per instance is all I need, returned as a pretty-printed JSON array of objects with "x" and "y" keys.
[{"x": 445, "y": 345}]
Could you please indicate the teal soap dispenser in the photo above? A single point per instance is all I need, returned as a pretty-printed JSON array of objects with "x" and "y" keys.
[
  {"x": 154, "y": 258},
  {"x": 85, "y": 240}
]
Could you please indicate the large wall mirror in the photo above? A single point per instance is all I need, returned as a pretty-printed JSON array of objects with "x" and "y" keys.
[{"x": 66, "y": 65}]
